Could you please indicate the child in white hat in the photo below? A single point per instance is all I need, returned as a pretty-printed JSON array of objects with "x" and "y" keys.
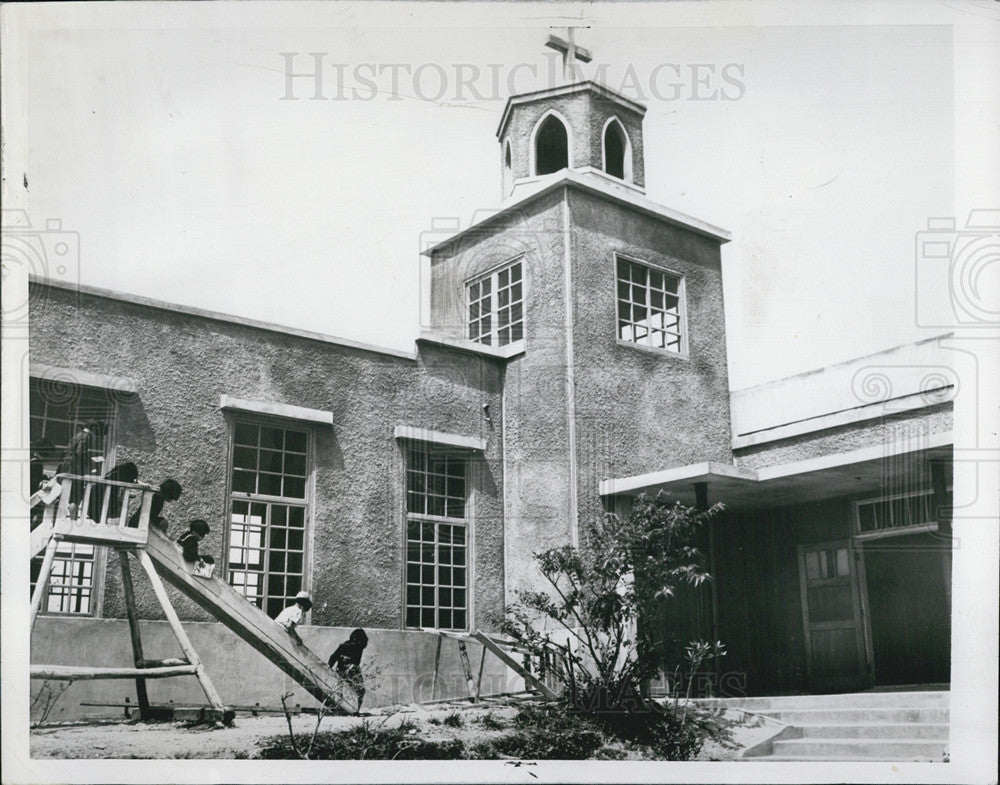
[{"x": 291, "y": 616}]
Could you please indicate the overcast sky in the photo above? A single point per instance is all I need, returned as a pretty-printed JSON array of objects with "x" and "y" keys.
[{"x": 822, "y": 137}]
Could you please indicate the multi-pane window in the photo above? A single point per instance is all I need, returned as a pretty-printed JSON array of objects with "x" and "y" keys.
[
  {"x": 436, "y": 539},
  {"x": 496, "y": 307},
  {"x": 267, "y": 530},
  {"x": 71, "y": 581},
  {"x": 58, "y": 410},
  {"x": 895, "y": 512},
  {"x": 650, "y": 306}
]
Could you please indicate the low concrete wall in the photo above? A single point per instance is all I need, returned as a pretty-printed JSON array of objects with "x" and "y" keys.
[{"x": 398, "y": 664}]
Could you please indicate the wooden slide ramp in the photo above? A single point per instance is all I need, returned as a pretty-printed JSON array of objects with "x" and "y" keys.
[{"x": 252, "y": 625}]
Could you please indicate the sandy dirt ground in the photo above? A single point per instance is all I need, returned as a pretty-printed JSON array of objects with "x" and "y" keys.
[{"x": 111, "y": 739}]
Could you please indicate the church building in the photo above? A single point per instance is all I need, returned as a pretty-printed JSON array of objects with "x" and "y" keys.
[{"x": 575, "y": 357}]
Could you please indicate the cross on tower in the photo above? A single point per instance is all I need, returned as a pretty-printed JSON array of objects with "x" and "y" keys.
[{"x": 570, "y": 52}]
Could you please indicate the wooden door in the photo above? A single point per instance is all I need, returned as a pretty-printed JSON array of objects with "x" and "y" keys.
[{"x": 831, "y": 617}]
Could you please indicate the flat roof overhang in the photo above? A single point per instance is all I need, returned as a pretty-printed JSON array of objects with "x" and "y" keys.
[{"x": 870, "y": 470}]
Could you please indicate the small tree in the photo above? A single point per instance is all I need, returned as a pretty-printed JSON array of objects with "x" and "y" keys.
[{"x": 598, "y": 596}]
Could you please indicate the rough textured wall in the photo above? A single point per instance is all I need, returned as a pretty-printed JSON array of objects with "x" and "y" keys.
[
  {"x": 637, "y": 409},
  {"x": 911, "y": 427},
  {"x": 535, "y": 399},
  {"x": 586, "y": 113},
  {"x": 173, "y": 427}
]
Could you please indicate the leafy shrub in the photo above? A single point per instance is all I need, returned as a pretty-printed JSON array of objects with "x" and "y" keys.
[
  {"x": 368, "y": 742},
  {"x": 598, "y": 595},
  {"x": 545, "y": 733}
]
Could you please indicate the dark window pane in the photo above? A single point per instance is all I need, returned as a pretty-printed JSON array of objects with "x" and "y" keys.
[
  {"x": 245, "y": 458},
  {"x": 270, "y": 461},
  {"x": 297, "y": 517},
  {"x": 245, "y": 433},
  {"x": 295, "y": 487},
  {"x": 272, "y": 438},
  {"x": 243, "y": 482},
  {"x": 413, "y": 617},
  {"x": 295, "y": 441},
  {"x": 269, "y": 484}
]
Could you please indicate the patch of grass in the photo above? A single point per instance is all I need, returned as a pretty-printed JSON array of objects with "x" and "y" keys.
[
  {"x": 489, "y": 722},
  {"x": 368, "y": 742},
  {"x": 454, "y": 720}
]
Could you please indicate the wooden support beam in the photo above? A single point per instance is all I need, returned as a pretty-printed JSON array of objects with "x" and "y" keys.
[
  {"x": 515, "y": 666},
  {"x": 463, "y": 652},
  {"x": 133, "y": 627},
  {"x": 84, "y": 673},
  {"x": 479, "y": 681},
  {"x": 175, "y": 624},
  {"x": 43, "y": 579},
  {"x": 437, "y": 662}
]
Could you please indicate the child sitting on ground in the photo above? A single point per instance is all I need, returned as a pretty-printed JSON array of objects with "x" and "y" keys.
[
  {"x": 346, "y": 660},
  {"x": 291, "y": 616},
  {"x": 197, "y": 531}
]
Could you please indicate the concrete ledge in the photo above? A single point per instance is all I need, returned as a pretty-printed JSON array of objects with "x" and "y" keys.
[
  {"x": 438, "y": 437},
  {"x": 573, "y": 179},
  {"x": 120, "y": 384},
  {"x": 695, "y": 472},
  {"x": 270, "y": 408},
  {"x": 472, "y": 347}
]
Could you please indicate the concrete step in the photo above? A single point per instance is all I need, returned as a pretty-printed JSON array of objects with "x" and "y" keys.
[
  {"x": 851, "y": 749},
  {"x": 842, "y": 716},
  {"x": 930, "y": 698},
  {"x": 838, "y": 759},
  {"x": 861, "y": 730}
]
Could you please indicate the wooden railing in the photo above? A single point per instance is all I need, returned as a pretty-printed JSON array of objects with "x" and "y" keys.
[{"x": 81, "y": 513}]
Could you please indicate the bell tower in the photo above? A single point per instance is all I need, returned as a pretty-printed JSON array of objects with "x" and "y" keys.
[{"x": 583, "y": 126}]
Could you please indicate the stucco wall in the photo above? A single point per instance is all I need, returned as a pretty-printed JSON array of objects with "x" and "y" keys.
[
  {"x": 173, "y": 427},
  {"x": 536, "y": 449},
  {"x": 637, "y": 409},
  {"x": 398, "y": 665}
]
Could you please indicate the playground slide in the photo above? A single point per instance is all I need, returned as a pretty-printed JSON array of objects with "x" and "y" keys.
[{"x": 251, "y": 624}]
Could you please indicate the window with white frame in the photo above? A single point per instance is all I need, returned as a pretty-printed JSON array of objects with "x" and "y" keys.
[
  {"x": 268, "y": 513},
  {"x": 895, "y": 513},
  {"x": 650, "y": 306},
  {"x": 58, "y": 409},
  {"x": 496, "y": 306},
  {"x": 437, "y": 546}
]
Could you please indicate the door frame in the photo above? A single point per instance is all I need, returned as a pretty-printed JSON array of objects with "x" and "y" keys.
[{"x": 856, "y": 581}]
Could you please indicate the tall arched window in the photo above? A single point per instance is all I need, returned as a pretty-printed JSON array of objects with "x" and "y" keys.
[
  {"x": 551, "y": 146},
  {"x": 617, "y": 151}
]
